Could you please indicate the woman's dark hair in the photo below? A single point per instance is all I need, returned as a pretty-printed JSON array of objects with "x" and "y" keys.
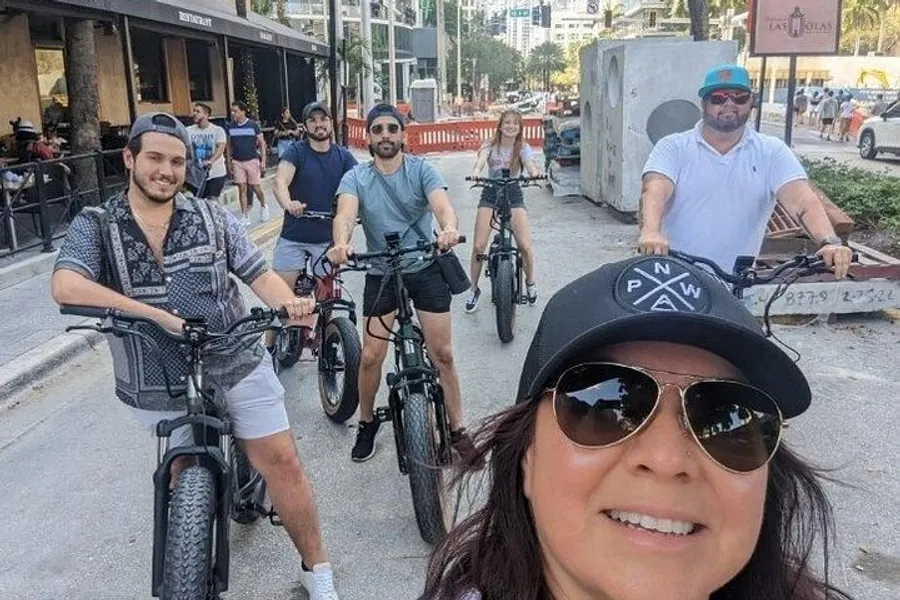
[{"x": 495, "y": 550}]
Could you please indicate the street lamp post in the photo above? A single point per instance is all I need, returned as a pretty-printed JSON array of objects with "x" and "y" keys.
[
  {"x": 392, "y": 55},
  {"x": 458, "y": 49},
  {"x": 368, "y": 85}
]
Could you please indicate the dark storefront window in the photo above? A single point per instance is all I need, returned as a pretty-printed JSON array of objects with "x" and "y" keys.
[
  {"x": 199, "y": 70},
  {"x": 149, "y": 66}
]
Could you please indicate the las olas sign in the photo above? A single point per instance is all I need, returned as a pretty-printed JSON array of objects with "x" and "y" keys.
[{"x": 795, "y": 27}]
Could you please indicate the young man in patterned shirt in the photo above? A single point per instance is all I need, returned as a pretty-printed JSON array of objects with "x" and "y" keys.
[{"x": 153, "y": 252}]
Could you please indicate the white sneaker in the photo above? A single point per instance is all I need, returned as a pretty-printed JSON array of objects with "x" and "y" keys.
[
  {"x": 319, "y": 583},
  {"x": 245, "y": 220},
  {"x": 264, "y": 214}
]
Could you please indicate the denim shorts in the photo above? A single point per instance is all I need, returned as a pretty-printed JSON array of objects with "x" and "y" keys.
[{"x": 289, "y": 256}]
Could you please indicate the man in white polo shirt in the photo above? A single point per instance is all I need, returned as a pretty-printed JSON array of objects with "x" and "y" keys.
[{"x": 710, "y": 191}]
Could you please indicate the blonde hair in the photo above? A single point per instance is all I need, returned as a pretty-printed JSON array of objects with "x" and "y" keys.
[{"x": 515, "y": 163}]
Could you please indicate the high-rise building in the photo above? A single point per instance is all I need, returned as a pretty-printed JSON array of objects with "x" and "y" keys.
[{"x": 568, "y": 26}]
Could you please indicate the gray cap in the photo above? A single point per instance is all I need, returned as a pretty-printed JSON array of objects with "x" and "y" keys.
[{"x": 160, "y": 122}]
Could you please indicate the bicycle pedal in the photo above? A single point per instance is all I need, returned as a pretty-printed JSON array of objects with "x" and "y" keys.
[
  {"x": 383, "y": 414},
  {"x": 274, "y": 519}
]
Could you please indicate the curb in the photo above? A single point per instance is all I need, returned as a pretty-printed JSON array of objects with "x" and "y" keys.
[{"x": 27, "y": 369}]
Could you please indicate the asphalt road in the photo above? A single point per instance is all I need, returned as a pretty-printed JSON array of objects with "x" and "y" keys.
[{"x": 77, "y": 493}]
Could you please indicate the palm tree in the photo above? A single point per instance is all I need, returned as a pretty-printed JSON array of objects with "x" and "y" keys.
[
  {"x": 262, "y": 7},
  {"x": 718, "y": 8},
  {"x": 699, "y": 11},
  {"x": 884, "y": 6},
  {"x": 84, "y": 98},
  {"x": 678, "y": 8},
  {"x": 857, "y": 16},
  {"x": 545, "y": 60},
  {"x": 611, "y": 10}
]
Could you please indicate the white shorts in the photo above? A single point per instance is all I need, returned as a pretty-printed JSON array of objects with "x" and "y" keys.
[{"x": 255, "y": 406}]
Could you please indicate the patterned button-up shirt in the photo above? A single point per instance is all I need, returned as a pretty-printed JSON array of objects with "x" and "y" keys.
[{"x": 204, "y": 244}]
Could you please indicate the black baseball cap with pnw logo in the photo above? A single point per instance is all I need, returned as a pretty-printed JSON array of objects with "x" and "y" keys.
[{"x": 657, "y": 298}]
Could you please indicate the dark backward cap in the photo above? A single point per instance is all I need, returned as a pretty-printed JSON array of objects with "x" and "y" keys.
[
  {"x": 657, "y": 298},
  {"x": 160, "y": 122},
  {"x": 385, "y": 110},
  {"x": 313, "y": 106}
]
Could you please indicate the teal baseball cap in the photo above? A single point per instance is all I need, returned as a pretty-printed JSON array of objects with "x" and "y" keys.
[{"x": 726, "y": 77}]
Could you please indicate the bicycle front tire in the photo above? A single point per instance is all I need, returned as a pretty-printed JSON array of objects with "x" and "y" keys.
[
  {"x": 189, "y": 538},
  {"x": 422, "y": 439},
  {"x": 504, "y": 287}
]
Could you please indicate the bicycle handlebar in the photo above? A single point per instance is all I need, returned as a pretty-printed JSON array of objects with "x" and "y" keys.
[
  {"x": 805, "y": 264},
  {"x": 194, "y": 332},
  {"x": 498, "y": 181},
  {"x": 315, "y": 215},
  {"x": 357, "y": 259}
]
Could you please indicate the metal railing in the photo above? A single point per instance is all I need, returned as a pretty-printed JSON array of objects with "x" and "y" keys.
[{"x": 40, "y": 199}]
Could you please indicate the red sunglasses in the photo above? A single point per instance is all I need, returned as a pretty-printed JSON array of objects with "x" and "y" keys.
[{"x": 740, "y": 98}]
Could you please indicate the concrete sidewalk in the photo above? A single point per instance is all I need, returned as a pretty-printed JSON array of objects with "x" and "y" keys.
[{"x": 33, "y": 340}]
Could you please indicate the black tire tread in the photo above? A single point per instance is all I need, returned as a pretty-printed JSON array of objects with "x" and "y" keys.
[
  {"x": 352, "y": 350},
  {"x": 289, "y": 359},
  {"x": 189, "y": 538},
  {"x": 243, "y": 472},
  {"x": 504, "y": 285},
  {"x": 425, "y": 476}
]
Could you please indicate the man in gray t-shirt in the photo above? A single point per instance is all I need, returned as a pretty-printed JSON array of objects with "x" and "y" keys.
[{"x": 404, "y": 195}]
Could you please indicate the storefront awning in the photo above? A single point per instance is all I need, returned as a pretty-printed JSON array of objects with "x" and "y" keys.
[{"x": 256, "y": 28}]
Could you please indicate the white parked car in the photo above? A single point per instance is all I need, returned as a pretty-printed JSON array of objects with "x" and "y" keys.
[{"x": 881, "y": 133}]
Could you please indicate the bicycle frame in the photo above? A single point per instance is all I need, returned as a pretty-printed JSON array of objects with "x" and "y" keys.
[
  {"x": 212, "y": 445},
  {"x": 504, "y": 248},
  {"x": 413, "y": 372},
  {"x": 212, "y": 442}
]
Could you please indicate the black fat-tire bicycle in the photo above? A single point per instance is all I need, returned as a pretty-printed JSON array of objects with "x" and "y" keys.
[
  {"x": 334, "y": 342},
  {"x": 415, "y": 398},
  {"x": 504, "y": 261},
  {"x": 191, "y": 522}
]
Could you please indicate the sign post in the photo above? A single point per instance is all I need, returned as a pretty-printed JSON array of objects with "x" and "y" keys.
[{"x": 797, "y": 28}]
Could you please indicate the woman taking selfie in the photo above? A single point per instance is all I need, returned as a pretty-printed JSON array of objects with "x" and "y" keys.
[
  {"x": 506, "y": 151},
  {"x": 643, "y": 458}
]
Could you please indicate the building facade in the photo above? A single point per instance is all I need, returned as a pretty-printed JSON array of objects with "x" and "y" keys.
[
  {"x": 151, "y": 55},
  {"x": 415, "y": 35}
]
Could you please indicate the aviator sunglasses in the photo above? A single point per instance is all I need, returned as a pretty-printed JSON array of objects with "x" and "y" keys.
[
  {"x": 602, "y": 404},
  {"x": 379, "y": 128},
  {"x": 719, "y": 98}
]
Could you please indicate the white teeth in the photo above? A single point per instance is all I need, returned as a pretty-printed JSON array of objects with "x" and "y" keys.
[{"x": 652, "y": 523}]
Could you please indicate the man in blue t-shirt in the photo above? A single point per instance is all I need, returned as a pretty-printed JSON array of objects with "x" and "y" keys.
[
  {"x": 397, "y": 192},
  {"x": 307, "y": 179}
]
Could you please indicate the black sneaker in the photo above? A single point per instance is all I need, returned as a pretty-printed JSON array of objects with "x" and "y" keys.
[
  {"x": 364, "y": 448},
  {"x": 472, "y": 302}
]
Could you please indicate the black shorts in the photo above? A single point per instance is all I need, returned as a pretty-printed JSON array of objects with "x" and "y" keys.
[
  {"x": 827, "y": 121},
  {"x": 513, "y": 194},
  {"x": 214, "y": 187},
  {"x": 426, "y": 288}
]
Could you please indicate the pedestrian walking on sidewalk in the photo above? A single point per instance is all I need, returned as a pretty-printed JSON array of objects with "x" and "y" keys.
[
  {"x": 846, "y": 117},
  {"x": 710, "y": 191},
  {"x": 209, "y": 141},
  {"x": 247, "y": 160},
  {"x": 829, "y": 111},
  {"x": 801, "y": 103},
  {"x": 815, "y": 101},
  {"x": 152, "y": 252}
]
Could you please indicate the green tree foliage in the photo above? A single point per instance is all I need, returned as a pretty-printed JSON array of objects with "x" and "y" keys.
[
  {"x": 484, "y": 55},
  {"x": 544, "y": 61}
]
